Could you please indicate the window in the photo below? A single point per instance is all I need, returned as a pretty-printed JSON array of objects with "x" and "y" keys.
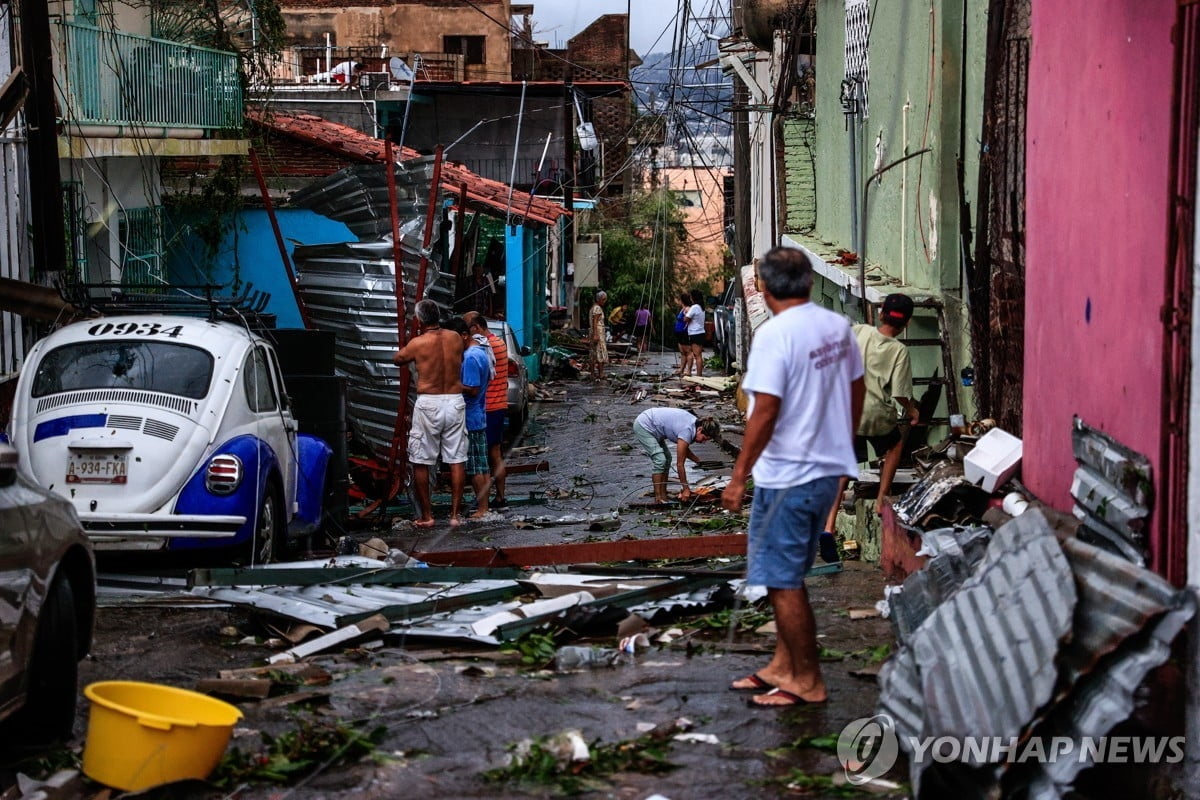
[
  {"x": 260, "y": 393},
  {"x": 140, "y": 231},
  {"x": 471, "y": 48},
  {"x": 125, "y": 364},
  {"x": 689, "y": 198}
]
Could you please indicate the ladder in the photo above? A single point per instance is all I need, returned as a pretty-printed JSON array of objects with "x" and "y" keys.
[{"x": 947, "y": 378}]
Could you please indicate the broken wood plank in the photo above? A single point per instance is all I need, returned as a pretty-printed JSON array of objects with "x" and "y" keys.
[
  {"x": 374, "y": 624},
  {"x": 585, "y": 552}
]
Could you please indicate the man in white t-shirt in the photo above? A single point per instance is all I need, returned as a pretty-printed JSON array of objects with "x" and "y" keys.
[{"x": 805, "y": 383}]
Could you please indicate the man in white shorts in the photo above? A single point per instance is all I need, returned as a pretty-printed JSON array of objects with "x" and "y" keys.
[{"x": 439, "y": 422}]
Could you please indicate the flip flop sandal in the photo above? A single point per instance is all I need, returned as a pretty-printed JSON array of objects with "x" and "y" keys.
[
  {"x": 793, "y": 699},
  {"x": 757, "y": 684}
]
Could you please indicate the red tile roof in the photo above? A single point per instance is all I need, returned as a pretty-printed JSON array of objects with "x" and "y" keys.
[{"x": 357, "y": 146}]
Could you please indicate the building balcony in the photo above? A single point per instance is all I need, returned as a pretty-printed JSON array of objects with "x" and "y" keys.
[{"x": 125, "y": 85}]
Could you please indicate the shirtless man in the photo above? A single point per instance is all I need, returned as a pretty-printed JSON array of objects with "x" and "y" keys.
[{"x": 439, "y": 415}]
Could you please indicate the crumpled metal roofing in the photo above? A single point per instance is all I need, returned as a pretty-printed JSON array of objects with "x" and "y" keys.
[
  {"x": 350, "y": 289},
  {"x": 483, "y": 193},
  {"x": 1112, "y": 492},
  {"x": 1126, "y": 616},
  {"x": 956, "y": 553},
  {"x": 994, "y": 659}
]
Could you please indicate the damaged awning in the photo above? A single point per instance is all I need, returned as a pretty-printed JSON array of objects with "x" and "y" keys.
[{"x": 483, "y": 194}]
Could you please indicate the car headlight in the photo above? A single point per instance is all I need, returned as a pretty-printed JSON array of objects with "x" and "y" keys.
[{"x": 224, "y": 474}]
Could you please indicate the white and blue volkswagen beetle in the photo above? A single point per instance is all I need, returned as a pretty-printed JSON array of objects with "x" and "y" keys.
[{"x": 169, "y": 433}]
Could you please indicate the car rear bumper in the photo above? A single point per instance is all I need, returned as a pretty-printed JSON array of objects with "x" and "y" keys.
[{"x": 107, "y": 527}]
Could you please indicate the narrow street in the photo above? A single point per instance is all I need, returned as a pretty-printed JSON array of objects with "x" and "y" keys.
[{"x": 448, "y": 714}]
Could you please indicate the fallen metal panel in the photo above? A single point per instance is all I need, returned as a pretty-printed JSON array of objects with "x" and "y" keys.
[
  {"x": 982, "y": 663},
  {"x": 330, "y": 606},
  {"x": 668, "y": 588},
  {"x": 582, "y": 553},
  {"x": 958, "y": 552},
  {"x": 1099, "y": 701},
  {"x": 1112, "y": 490},
  {"x": 370, "y": 576},
  {"x": 915, "y": 504}
]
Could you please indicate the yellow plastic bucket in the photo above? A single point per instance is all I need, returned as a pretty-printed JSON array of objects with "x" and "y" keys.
[{"x": 142, "y": 734}]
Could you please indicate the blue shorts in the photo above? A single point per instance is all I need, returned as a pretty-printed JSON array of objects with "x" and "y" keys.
[
  {"x": 477, "y": 462},
  {"x": 785, "y": 529},
  {"x": 495, "y": 426}
]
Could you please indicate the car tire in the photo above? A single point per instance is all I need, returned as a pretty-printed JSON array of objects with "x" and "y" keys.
[
  {"x": 268, "y": 544},
  {"x": 52, "y": 692}
]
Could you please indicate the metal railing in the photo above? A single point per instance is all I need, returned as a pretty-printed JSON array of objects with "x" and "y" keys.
[{"x": 122, "y": 79}]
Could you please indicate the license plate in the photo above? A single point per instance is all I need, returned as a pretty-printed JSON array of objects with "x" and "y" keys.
[{"x": 97, "y": 468}]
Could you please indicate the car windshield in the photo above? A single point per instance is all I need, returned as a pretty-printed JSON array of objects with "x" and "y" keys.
[{"x": 152, "y": 366}]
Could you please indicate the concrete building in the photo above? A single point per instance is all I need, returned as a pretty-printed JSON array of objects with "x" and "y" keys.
[
  {"x": 700, "y": 193},
  {"x": 468, "y": 42}
]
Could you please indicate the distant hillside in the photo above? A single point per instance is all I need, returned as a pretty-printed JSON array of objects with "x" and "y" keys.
[{"x": 697, "y": 99}]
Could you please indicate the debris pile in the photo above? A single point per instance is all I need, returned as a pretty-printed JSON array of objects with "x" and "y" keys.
[{"x": 1023, "y": 633}]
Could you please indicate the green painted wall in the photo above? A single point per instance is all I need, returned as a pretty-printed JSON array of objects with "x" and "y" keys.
[{"x": 917, "y": 53}]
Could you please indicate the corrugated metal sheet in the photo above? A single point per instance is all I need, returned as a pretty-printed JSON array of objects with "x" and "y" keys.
[
  {"x": 982, "y": 663},
  {"x": 350, "y": 289},
  {"x": 1112, "y": 491},
  {"x": 1126, "y": 616},
  {"x": 1046, "y": 638},
  {"x": 329, "y": 605}
]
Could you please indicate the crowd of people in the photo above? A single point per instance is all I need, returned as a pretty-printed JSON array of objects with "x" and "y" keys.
[
  {"x": 819, "y": 390},
  {"x": 462, "y": 379}
]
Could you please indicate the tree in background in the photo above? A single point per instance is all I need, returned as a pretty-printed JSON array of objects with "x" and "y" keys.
[{"x": 644, "y": 243}]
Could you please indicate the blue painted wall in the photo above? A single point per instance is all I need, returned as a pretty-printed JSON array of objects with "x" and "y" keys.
[{"x": 249, "y": 252}]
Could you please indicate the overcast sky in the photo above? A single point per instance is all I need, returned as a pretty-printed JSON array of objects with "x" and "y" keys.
[{"x": 556, "y": 21}]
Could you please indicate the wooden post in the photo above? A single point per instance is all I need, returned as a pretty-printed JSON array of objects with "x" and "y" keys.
[{"x": 283, "y": 255}]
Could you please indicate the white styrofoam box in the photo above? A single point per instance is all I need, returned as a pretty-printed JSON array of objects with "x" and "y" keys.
[{"x": 994, "y": 459}]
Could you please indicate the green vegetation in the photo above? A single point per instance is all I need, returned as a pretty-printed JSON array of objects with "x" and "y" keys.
[
  {"x": 540, "y": 764},
  {"x": 536, "y": 649},
  {"x": 296, "y": 754},
  {"x": 745, "y": 620}
]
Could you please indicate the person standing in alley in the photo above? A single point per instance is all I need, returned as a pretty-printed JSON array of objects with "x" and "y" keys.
[
  {"x": 496, "y": 404},
  {"x": 804, "y": 379},
  {"x": 695, "y": 330},
  {"x": 596, "y": 344},
  {"x": 889, "y": 381},
  {"x": 476, "y": 376},
  {"x": 439, "y": 415},
  {"x": 681, "y": 335},
  {"x": 661, "y": 430},
  {"x": 641, "y": 327}
]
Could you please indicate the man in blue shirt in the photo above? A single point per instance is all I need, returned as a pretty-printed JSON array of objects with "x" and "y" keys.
[{"x": 476, "y": 372}]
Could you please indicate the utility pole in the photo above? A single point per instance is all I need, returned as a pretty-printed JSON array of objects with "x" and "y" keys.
[
  {"x": 569, "y": 157},
  {"x": 45, "y": 188}
]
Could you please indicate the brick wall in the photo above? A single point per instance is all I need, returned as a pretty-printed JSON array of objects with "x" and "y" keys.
[
  {"x": 286, "y": 157},
  {"x": 289, "y": 4},
  {"x": 799, "y": 141},
  {"x": 598, "y": 51}
]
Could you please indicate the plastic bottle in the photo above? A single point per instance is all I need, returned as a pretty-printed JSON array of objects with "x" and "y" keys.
[{"x": 571, "y": 657}]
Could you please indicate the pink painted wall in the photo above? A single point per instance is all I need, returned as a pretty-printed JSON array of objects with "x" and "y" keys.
[{"x": 1097, "y": 166}]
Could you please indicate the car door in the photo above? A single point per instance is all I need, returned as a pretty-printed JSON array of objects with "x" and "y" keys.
[
  {"x": 18, "y": 576},
  {"x": 288, "y": 460},
  {"x": 272, "y": 417}
]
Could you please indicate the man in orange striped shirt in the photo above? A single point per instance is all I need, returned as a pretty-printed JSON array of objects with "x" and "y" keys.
[{"x": 496, "y": 404}]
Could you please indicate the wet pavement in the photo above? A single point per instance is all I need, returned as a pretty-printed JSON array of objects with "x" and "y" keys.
[{"x": 448, "y": 714}]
